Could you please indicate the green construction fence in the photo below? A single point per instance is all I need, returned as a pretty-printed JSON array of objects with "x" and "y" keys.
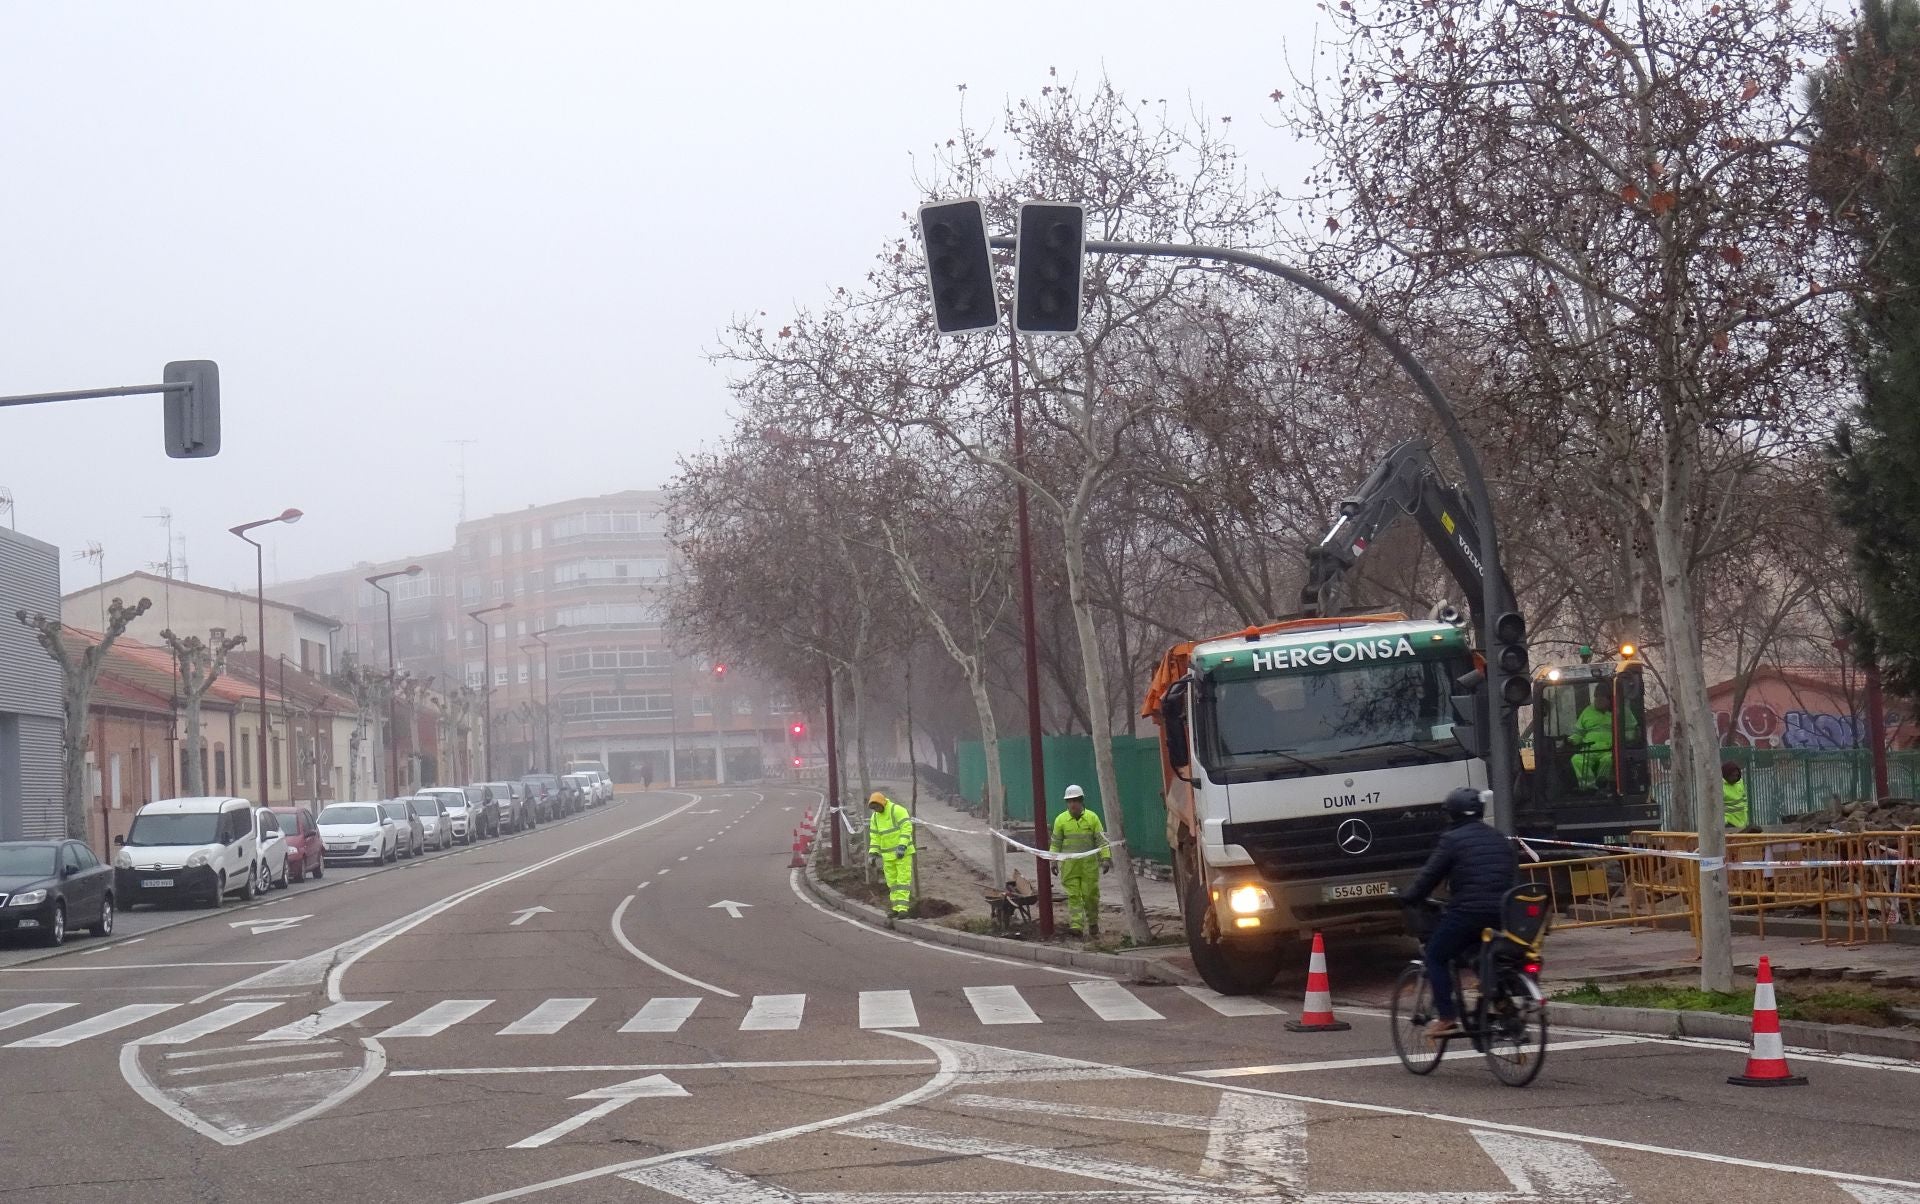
[
  {"x": 1794, "y": 781},
  {"x": 1068, "y": 761}
]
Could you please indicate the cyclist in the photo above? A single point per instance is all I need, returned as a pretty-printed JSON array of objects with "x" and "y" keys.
[{"x": 1479, "y": 867}]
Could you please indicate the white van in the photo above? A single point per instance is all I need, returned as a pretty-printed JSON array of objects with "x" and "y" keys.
[{"x": 188, "y": 848}]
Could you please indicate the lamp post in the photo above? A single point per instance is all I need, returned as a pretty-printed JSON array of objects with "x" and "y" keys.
[
  {"x": 393, "y": 746},
  {"x": 486, "y": 684},
  {"x": 288, "y": 516},
  {"x": 546, "y": 683}
]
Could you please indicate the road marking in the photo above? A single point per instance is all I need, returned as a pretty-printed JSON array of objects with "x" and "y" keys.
[
  {"x": 732, "y": 908},
  {"x": 619, "y": 934},
  {"x": 663, "y": 870},
  {"x": 1261, "y": 1144},
  {"x": 134, "y": 966},
  {"x": 437, "y": 1019},
  {"x": 803, "y": 1064},
  {"x": 1037, "y": 1157},
  {"x": 1000, "y": 1005},
  {"x": 212, "y": 1022},
  {"x": 1237, "y": 1072},
  {"x": 611, "y": 1099},
  {"x": 1111, "y": 1001},
  {"x": 644, "y": 885},
  {"x": 550, "y": 1017},
  {"x": 275, "y": 1060},
  {"x": 27, "y": 1013},
  {"x": 527, "y": 913},
  {"x": 888, "y": 1009},
  {"x": 683, "y": 859},
  {"x": 661, "y": 1016},
  {"x": 774, "y": 1012},
  {"x": 254, "y": 1046},
  {"x": 1232, "y": 1005},
  {"x": 325, "y": 1020},
  {"x": 1132, "y": 1116},
  {"x": 279, "y": 924},
  {"x": 94, "y": 1026}
]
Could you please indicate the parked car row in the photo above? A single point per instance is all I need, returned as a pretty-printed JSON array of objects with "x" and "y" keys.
[{"x": 202, "y": 850}]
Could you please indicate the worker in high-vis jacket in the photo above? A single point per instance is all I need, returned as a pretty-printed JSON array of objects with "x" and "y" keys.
[
  {"x": 1078, "y": 830},
  {"x": 1593, "y": 742},
  {"x": 890, "y": 838},
  {"x": 1733, "y": 796}
]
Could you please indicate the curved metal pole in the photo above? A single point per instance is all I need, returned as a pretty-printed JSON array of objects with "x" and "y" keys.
[{"x": 1500, "y": 743}]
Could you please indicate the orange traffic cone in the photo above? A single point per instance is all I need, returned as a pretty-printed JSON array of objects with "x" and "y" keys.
[
  {"x": 1767, "y": 1059},
  {"x": 1316, "y": 1015}
]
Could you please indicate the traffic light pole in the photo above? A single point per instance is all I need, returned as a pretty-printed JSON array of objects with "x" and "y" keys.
[
  {"x": 1502, "y": 738},
  {"x": 1036, "y": 763}
]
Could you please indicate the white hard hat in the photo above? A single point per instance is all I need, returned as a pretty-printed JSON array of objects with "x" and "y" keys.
[{"x": 1074, "y": 792}]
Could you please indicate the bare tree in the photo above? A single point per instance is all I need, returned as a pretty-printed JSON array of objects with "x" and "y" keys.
[
  {"x": 78, "y": 673},
  {"x": 201, "y": 662}
]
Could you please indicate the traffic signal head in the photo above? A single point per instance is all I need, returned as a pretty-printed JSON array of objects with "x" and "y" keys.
[
  {"x": 192, "y": 421},
  {"x": 719, "y": 670},
  {"x": 1049, "y": 255},
  {"x": 796, "y": 762},
  {"x": 959, "y": 267},
  {"x": 1510, "y": 659},
  {"x": 797, "y": 730}
]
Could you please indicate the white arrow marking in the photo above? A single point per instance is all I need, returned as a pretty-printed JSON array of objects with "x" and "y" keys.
[
  {"x": 259, "y": 926},
  {"x": 733, "y": 909},
  {"x": 703, "y": 813},
  {"x": 527, "y": 913},
  {"x": 612, "y": 1099}
]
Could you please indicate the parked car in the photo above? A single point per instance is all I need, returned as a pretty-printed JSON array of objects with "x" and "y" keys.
[
  {"x": 481, "y": 798},
  {"x": 46, "y": 885},
  {"x": 453, "y": 810},
  {"x": 544, "y": 790},
  {"x": 188, "y": 848},
  {"x": 306, "y": 852},
  {"x": 435, "y": 825},
  {"x": 602, "y": 783},
  {"x": 273, "y": 849},
  {"x": 587, "y": 767},
  {"x": 581, "y": 787},
  {"x": 408, "y": 830},
  {"x": 515, "y": 812},
  {"x": 357, "y": 832}
]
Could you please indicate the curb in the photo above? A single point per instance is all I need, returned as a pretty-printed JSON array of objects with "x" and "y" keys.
[
  {"x": 1131, "y": 969},
  {"x": 1798, "y": 1034},
  {"x": 72, "y": 948}
]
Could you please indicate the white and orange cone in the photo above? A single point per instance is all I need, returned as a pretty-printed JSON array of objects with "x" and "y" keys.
[
  {"x": 1316, "y": 1015},
  {"x": 1767, "y": 1059}
]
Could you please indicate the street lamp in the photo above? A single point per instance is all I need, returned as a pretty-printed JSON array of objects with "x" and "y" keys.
[
  {"x": 486, "y": 685},
  {"x": 288, "y": 516},
  {"x": 393, "y": 746},
  {"x": 546, "y": 681}
]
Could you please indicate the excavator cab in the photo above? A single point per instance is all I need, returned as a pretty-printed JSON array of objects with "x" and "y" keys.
[{"x": 1585, "y": 751}]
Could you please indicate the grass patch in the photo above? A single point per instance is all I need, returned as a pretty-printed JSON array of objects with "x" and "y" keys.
[{"x": 1827, "y": 1005}]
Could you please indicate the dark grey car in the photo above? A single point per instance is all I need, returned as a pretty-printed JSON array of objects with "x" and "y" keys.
[
  {"x": 413, "y": 835},
  {"x": 48, "y": 885}
]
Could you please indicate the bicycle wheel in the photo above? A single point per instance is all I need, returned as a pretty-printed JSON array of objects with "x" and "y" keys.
[
  {"x": 1516, "y": 1031},
  {"x": 1412, "y": 1007}
]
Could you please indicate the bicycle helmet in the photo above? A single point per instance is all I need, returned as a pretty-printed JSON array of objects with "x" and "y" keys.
[{"x": 1467, "y": 803}]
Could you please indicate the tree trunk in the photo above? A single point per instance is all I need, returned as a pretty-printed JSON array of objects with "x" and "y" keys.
[
  {"x": 1695, "y": 738},
  {"x": 1100, "y": 721},
  {"x": 74, "y": 755},
  {"x": 857, "y": 691},
  {"x": 195, "y": 784},
  {"x": 996, "y": 784}
]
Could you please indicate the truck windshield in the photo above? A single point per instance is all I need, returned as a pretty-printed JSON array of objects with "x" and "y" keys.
[{"x": 1333, "y": 721}]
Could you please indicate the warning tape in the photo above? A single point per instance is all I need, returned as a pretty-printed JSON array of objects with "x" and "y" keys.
[
  {"x": 1713, "y": 864},
  {"x": 1043, "y": 854}
]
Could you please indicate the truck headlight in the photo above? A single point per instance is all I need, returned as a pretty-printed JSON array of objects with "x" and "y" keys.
[{"x": 1248, "y": 899}]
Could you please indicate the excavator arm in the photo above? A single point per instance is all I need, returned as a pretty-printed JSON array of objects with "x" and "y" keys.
[{"x": 1406, "y": 482}]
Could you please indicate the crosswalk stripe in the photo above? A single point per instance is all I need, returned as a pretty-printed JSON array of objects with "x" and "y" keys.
[
  {"x": 1232, "y": 1005},
  {"x": 550, "y": 1017},
  {"x": 336, "y": 1015},
  {"x": 437, "y": 1019},
  {"x": 1111, "y": 1001},
  {"x": 661, "y": 1016},
  {"x": 93, "y": 1026},
  {"x": 27, "y": 1013},
  {"x": 1000, "y": 1005},
  {"x": 212, "y": 1022},
  {"x": 888, "y": 1009},
  {"x": 770, "y": 1012}
]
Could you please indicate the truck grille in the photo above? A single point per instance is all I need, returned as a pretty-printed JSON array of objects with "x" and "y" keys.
[{"x": 1310, "y": 848}]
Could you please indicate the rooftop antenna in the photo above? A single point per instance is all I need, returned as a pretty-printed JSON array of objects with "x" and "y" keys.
[
  {"x": 165, "y": 519},
  {"x": 98, "y": 555},
  {"x": 460, "y": 471}
]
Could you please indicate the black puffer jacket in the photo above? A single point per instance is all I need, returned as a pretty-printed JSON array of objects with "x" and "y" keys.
[{"x": 1476, "y": 862}]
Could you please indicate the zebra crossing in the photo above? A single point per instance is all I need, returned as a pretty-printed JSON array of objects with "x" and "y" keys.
[{"x": 992, "y": 1005}]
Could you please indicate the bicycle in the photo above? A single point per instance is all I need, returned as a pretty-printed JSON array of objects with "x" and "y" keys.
[{"x": 1507, "y": 1023}]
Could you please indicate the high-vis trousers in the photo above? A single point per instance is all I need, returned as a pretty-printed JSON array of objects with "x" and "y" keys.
[
  {"x": 899, "y": 881},
  {"x": 1080, "y": 878}
]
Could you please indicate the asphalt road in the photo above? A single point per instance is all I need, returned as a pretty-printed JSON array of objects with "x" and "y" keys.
[{"x": 569, "y": 1017}]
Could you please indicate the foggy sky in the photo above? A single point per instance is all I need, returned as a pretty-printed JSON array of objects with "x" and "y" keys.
[{"x": 400, "y": 223}]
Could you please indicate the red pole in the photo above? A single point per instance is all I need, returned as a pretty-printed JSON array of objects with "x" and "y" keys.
[
  {"x": 833, "y": 771},
  {"x": 1043, "y": 878},
  {"x": 1877, "y": 730}
]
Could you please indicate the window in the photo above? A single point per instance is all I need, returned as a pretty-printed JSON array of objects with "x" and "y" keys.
[
  {"x": 520, "y": 628},
  {"x": 449, "y": 630},
  {"x": 493, "y": 544},
  {"x": 597, "y": 571},
  {"x": 276, "y": 760},
  {"x": 70, "y": 858},
  {"x": 246, "y": 761},
  {"x": 638, "y": 616},
  {"x": 476, "y": 674},
  {"x": 516, "y": 539},
  {"x": 113, "y": 771},
  {"x": 219, "y": 769},
  {"x": 470, "y": 589},
  {"x": 499, "y": 589},
  {"x": 599, "y": 524},
  {"x": 533, "y": 539},
  {"x": 523, "y": 674},
  {"x": 609, "y": 706},
  {"x": 499, "y": 677},
  {"x": 536, "y": 580},
  {"x": 702, "y": 705},
  {"x": 269, "y": 823},
  {"x": 85, "y": 854},
  {"x": 471, "y": 638},
  {"x": 469, "y": 548},
  {"x": 499, "y": 631}
]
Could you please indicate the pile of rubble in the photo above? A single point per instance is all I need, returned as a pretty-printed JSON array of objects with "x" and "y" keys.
[{"x": 1887, "y": 815}]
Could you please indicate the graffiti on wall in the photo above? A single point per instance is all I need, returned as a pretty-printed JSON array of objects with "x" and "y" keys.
[{"x": 1761, "y": 725}]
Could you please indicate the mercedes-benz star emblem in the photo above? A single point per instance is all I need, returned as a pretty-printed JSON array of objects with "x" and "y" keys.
[{"x": 1355, "y": 837}]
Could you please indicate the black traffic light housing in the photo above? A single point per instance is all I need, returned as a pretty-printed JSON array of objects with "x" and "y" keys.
[
  {"x": 1050, "y": 253},
  {"x": 192, "y": 423},
  {"x": 959, "y": 267},
  {"x": 1512, "y": 681}
]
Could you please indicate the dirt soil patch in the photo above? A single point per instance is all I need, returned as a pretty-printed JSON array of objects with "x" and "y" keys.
[{"x": 1818, "y": 1002}]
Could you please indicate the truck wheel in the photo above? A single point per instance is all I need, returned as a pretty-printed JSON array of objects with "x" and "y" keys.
[{"x": 1242, "y": 968}]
